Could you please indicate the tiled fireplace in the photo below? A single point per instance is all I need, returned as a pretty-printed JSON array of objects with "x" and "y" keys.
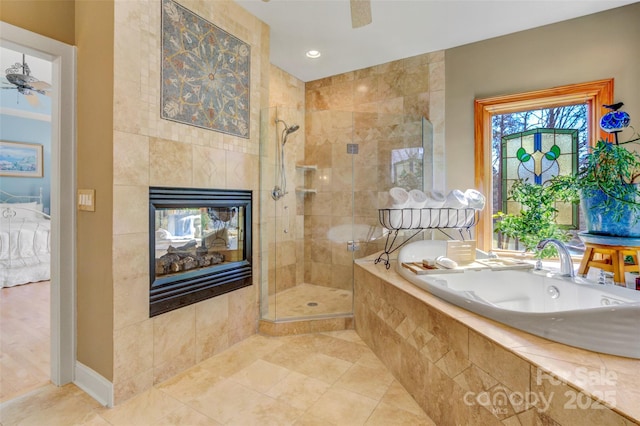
[{"x": 199, "y": 245}]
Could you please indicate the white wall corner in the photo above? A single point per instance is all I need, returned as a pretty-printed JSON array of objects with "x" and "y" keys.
[{"x": 94, "y": 384}]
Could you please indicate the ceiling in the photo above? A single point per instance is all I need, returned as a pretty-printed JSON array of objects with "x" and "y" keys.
[{"x": 400, "y": 28}]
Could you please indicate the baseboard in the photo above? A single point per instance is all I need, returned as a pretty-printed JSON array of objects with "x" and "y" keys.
[{"x": 94, "y": 384}]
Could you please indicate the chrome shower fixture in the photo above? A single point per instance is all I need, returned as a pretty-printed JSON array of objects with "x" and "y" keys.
[
  {"x": 280, "y": 191},
  {"x": 287, "y": 130}
]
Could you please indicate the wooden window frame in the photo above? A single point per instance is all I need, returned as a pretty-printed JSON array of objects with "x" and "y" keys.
[{"x": 594, "y": 94}]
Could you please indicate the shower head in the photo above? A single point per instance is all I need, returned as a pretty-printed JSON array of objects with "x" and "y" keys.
[
  {"x": 291, "y": 129},
  {"x": 288, "y": 130}
]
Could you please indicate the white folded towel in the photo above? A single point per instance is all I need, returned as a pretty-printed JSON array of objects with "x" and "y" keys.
[
  {"x": 402, "y": 218},
  {"x": 456, "y": 200},
  {"x": 435, "y": 199},
  {"x": 398, "y": 198},
  {"x": 417, "y": 199},
  {"x": 475, "y": 199}
]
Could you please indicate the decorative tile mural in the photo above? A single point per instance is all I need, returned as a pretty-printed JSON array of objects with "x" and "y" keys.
[{"x": 205, "y": 73}]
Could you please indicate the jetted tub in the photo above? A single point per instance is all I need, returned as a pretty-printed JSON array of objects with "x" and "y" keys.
[{"x": 572, "y": 311}]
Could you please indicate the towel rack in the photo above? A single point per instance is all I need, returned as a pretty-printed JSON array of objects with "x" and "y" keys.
[{"x": 444, "y": 220}]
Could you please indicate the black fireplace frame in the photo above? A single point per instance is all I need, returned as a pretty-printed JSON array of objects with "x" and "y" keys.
[{"x": 167, "y": 293}]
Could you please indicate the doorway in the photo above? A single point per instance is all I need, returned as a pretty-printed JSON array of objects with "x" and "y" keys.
[{"x": 62, "y": 190}]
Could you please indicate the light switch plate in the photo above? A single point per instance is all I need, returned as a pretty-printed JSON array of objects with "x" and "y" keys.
[{"x": 87, "y": 200}]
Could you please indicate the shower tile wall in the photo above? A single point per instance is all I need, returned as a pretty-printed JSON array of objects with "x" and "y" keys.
[{"x": 379, "y": 108}]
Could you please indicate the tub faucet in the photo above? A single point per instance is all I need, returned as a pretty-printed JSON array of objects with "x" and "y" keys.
[{"x": 566, "y": 264}]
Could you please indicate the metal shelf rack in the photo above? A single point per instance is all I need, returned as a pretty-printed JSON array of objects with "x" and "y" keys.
[{"x": 444, "y": 220}]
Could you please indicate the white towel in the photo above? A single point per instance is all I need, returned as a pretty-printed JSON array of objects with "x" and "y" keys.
[
  {"x": 402, "y": 218},
  {"x": 435, "y": 199},
  {"x": 417, "y": 199},
  {"x": 398, "y": 198},
  {"x": 392, "y": 219},
  {"x": 456, "y": 200},
  {"x": 475, "y": 199}
]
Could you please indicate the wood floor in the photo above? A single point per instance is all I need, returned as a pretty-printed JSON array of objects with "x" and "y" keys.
[{"x": 24, "y": 339}]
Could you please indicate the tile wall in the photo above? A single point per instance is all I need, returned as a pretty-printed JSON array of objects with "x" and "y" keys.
[
  {"x": 461, "y": 376},
  {"x": 149, "y": 151},
  {"x": 379, "y": 108}
]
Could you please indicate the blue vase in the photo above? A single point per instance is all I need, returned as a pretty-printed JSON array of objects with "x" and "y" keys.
[
  {"x": 600, "y": 223},
  {"x": 614, "y": 121}
]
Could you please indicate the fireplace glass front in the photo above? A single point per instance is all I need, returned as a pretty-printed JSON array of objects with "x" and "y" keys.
[{"x": 200, "y": 245}]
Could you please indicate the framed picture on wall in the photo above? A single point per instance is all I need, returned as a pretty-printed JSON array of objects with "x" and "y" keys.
[{"x": 18, "y": 159}]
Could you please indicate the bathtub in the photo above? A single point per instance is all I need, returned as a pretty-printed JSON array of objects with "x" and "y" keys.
[{"x": 572, "y": 311}]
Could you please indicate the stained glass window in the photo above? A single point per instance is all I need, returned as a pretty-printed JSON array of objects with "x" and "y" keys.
[{"x": 536, "y": 156}]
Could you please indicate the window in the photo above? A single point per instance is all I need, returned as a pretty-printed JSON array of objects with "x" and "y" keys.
[
  {"x": 406, "y": 167},
  {"x": 592, "y": 94},
  {"x": 535, "y": 156}
]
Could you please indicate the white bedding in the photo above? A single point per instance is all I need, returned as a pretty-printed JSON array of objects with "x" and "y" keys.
[{"x": 24, "y": 250}]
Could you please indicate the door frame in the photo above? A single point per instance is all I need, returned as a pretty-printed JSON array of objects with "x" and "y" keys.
[{"x": 63, "y": 187}]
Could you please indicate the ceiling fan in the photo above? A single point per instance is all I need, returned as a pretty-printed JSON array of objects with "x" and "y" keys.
[
  {"x": 360, "y": 13},
  {"x": 20, "y": 78}
]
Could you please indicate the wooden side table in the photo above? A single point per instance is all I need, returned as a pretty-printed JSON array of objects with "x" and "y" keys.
[{"x": 609, "y": 258}]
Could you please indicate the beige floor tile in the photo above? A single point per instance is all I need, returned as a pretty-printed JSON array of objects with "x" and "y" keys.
[
  {"x": 186, "y": 416},
  {"x": 49, "y": 405},
  {"x": 191, "y": 383},
  {"x": 323, "y": 367},
  {"x": 241, "y": 355},
  {"x": 266, "y": 412},
  {"x": 261, "y": 375},
  {"x": 298, "y": 390},
  {"x": 310, "y": 420},
  {"x": 95, "y": 420},
  {"x": 244, "y": 386},
  {"x": 338, "y": 348},
  {"x": 348, "y": 335},
  {"x": 369, "y": 359},
  {"x": 224, "y": 400},
  {"x": 397, "y": 396},
  {"x": 290, "y": 355},
  {"x": 147, "y": 408},
  {"x": 370, "y": 382},
  {"x": 342, "y": 407},
  {"x": 385, "y": 415}
]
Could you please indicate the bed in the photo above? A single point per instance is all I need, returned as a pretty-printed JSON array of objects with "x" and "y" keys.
[{"x": 25, "y": 233}]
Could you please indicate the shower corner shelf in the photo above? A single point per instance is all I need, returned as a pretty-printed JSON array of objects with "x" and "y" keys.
[
  {"x": 306, "y": 167},
  {"x": 419, "y": 220},
  {"x": 306, "y": 190}
]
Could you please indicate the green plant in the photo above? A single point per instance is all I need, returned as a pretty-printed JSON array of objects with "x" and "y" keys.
[
  {"x": 536, "y": 220},
  {"x": 610, "y": 168}
]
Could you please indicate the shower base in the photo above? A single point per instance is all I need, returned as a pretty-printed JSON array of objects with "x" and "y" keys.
[{"x": 308, "y": 308}]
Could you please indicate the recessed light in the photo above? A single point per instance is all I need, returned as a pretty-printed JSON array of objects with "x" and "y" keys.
[{"x": 313, "y": 54}]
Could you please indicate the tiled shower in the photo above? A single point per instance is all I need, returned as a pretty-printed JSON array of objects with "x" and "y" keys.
[{"x": 339, "y": 167}]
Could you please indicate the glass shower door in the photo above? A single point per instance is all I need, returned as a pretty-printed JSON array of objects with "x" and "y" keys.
[{"x": 339, "y": 173}]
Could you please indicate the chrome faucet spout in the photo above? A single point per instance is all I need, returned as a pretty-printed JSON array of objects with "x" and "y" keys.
[{"x": 566, "y": 264}]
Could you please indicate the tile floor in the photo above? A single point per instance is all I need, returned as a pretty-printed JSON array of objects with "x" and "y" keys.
[
  {"x": 324, "y": 379},
  {"x": 308, "y": 300},
  {"x": 24, "y": 339}
]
